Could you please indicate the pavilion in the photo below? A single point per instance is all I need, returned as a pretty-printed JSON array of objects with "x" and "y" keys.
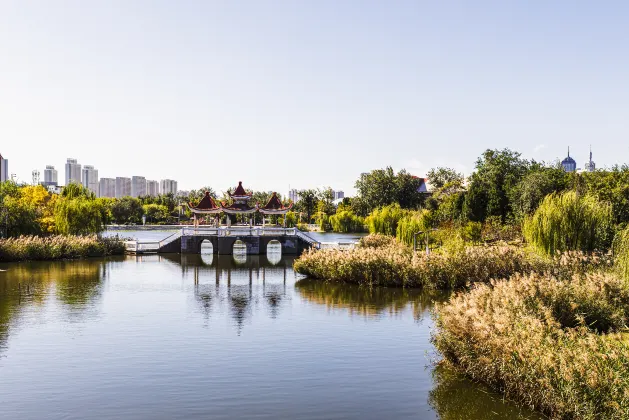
[{"x": 239, "y": 206}]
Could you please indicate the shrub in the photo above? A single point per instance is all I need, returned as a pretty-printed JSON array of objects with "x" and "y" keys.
[
  {"x": 553, "y": 345},
  {"x": 58, "y": 247},
  {"x": 569, "y": 222}
]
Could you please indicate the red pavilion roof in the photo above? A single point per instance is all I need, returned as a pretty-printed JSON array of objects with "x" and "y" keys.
[{"x": 240, "y": 191}]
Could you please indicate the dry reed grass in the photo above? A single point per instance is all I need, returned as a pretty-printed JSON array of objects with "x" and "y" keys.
[
  {"x": 58, "y": 247},
  {"x": 557, "y": 346}
]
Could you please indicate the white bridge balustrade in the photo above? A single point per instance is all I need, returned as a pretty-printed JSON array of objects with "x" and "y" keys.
[{"x": 139, "y": 246}]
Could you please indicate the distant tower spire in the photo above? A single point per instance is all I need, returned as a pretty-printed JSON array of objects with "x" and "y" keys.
[
  {"x": 568, "y": 151},
  {"x": 590, "y": 153}
]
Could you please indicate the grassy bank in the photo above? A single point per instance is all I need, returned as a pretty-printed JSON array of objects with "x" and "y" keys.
[
  {"x": 382, "y": 261},
  {"x": 560, "y": 347},
  {"x": 58, "y": 247}
]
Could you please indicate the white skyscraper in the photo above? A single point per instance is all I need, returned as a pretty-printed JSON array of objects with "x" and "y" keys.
[
  {"x": 338, "y": 195},
  {"x": 168, "y": 186},
  {"x": 89, "y": 178},
  {"x": 123, "y": 187},
  {"x": 152, "y": 188},
  {"x": 107, "y": 187},
  {"x": 590, "y": 166},
  {"x": 138, "y": 186},
  {"x": 4, "y": 169},
  {"x": 73, "y": 171},
  {"x": 50, "y": 176},
  {"x": 293, "y": 195}
]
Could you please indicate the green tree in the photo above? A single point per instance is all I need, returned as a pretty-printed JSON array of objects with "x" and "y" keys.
[
  {"x": 382, "y": 187},
  {"x": 308, "y": 200},
  {"x": 156, "y": 213},
  {"x": 127, "y": 210},
  {"x": 497, "y": 173},
  {"x": 441, "y": 177},
  {"x": 534, "y": 186},
  {"x": 78, "y": 216},
  {"x": 569, "y": 221}
]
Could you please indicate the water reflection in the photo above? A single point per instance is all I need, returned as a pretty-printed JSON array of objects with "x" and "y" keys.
[
  {"x": 368, "y": 302},
  {"x": 209, "y": 325},
  {"x": 456, "y": 398},
  {"x": 274, "y": 252},
  {"x": 73, "y": 287}
]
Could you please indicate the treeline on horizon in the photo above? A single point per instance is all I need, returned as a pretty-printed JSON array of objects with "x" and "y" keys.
[{"x": 502, "y": 191}]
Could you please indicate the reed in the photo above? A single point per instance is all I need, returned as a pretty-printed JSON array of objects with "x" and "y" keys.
[
  {"x": 556, "y": 346},
  {"x": 382, "y": 261},
  {"x": 58, "y": 247},
  {"x": 621, "y": 252},
  {"x": 569, "y": 221}
]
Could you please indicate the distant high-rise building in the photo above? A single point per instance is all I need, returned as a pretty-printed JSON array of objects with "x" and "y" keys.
[
  {"x": 50, "y": 176},
  {"x": 107, "y": 187},
  {"x": 590, "y": 166},
  {"x": 152, "y": 188},
  {"x": 89, "y": 178},
  {"x": 293, "y": 195},
  {"x": 569, "y": 164},
  {"x": 138, "y": 186},
  {"x": 4, "y": 169},
  {"x": 168, "y": 186},
  {"x": 123, "y": 187},
  {"x": 338, "y": 195},
  {"x": 73, "y": 171}
]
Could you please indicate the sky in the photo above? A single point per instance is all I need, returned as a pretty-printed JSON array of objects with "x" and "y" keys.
[{"x": 308, "y": 93}]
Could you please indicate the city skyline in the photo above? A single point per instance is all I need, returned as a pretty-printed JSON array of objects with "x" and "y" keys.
[{"x": 237, "y": 89}]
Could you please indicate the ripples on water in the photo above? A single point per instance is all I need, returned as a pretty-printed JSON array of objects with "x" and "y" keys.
[{"x": 208, "y": 336}]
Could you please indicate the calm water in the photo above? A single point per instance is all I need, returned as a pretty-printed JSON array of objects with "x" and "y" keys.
[{"x": 198, "y": 337}]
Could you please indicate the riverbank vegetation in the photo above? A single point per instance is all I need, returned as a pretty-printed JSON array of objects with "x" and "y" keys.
[
  {"x": 380, "y": 260},
  {"x": 559, "y": 346},
  {"x": 58, "y": 247}
]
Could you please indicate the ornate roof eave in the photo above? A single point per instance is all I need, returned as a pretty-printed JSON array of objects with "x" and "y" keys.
[
  {"x": 198, "y": 211},
  {"x": 283, "y": 210}
]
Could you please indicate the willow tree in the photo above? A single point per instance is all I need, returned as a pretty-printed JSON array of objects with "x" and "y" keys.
[{"x": 569, "y": 221}]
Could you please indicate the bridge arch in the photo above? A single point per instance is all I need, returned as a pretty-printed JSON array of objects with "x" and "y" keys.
[{"x": 274, "y": 251}]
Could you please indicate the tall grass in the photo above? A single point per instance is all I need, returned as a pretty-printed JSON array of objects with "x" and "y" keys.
[
  {"x": 569, "y": 221},
  {"x": 621, "y": 252},
  {"x": 381, "y": 262},
  {"x": 556, "y": 346},
  {"x": 58, "y": 247}
]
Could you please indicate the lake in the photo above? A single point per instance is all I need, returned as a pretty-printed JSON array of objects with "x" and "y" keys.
[{"x": 201, "y": 336}]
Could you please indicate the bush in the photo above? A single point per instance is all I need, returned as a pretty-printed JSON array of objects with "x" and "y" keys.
[
  {"x": 556, "y": 346},
  {"x": 569, "y": 222},
  {"x": 58, "y": 247}
]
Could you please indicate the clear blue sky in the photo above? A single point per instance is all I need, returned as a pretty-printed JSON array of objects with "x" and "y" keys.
[{"x": 308, "y": 93}]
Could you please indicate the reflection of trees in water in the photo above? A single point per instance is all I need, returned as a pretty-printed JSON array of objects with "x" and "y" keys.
[
  {"x": 74, "y": 284},
  {"x": 367, "y": 301},
  {"x": 456, "y": 398}
]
